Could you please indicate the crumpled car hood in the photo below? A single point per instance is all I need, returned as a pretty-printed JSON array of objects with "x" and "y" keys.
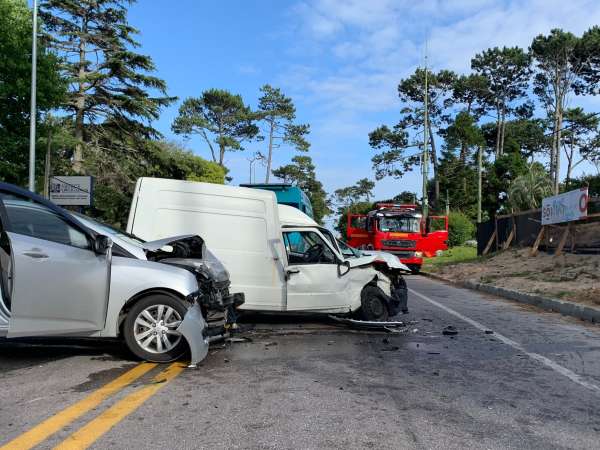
[
  {"x": 153, "y": 246},
  {"x": 371, "y": 256}
]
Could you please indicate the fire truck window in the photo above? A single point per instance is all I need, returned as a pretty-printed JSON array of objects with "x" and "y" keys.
[{"x": 399, "y": 224}]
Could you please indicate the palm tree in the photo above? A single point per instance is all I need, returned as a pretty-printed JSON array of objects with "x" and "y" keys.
[{"x": 527, "y": 191}]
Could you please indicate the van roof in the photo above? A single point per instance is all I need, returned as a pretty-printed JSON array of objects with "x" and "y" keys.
[{"x": 290, "y": 216}]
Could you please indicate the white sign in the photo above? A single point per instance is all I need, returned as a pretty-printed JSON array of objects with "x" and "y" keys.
[
  {"x": 71, "y": 191},
  {"x": 565, "y": 207}
]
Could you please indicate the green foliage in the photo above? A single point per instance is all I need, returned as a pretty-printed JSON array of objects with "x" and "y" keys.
[
  {"x": 592, "y": 182},
  {"x": 507, "y": 71},
  {"x": 460, "y": 228},
  {"x": 454, "y": 255},
  {"x": 347, "y": 196},
  {"x": 527, "y": 191},
  {"x": 15, "y": 76},
  {"x": 220, "y": 118},
  {"x": 278, "y": 112},
  {"x": 116, "y": 176},
  {"x": 110, "y": 84},
  {"x": 302, "y": 174}
]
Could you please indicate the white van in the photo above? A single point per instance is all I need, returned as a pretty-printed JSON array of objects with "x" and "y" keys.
[{"x": 280, "y": 258}]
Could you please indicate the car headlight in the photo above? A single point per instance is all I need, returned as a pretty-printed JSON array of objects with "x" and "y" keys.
[{"x": 419, "y": 254}]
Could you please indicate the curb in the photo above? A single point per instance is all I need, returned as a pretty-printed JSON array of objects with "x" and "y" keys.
[{"x": 583, "y": 312}]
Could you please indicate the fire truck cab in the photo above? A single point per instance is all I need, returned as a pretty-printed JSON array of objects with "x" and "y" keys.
[{"x": 401, "y": 230}]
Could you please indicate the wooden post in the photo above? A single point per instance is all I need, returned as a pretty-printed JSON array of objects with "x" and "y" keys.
[
  {"x": 496, "y": 231},
  {"x": 538, "y": 240},
  {"x": 573, "y": 238},
  {"x": 489, "y": 244},
  {"x": 563, "y": 240},
  {"x": 509, "y": 239}
]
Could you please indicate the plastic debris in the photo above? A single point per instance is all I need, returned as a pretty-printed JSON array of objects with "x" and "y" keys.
[{"x": 450, "y": 330}]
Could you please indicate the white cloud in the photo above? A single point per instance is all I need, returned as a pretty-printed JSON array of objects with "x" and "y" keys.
[{"x": 357, "y": 51}]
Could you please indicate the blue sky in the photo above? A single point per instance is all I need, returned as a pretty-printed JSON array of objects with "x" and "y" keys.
[{"x": 339, "y": 60}]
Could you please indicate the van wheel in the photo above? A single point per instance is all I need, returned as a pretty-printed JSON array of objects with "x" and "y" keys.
[
  {"x": 373, "y": 305},
  {"x": 150, "y": 328}
]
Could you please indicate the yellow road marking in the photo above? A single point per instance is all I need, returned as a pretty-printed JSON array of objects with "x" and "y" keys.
[
  {"x": 61, "y": 419},
  {"x": 95, "y": 429}
]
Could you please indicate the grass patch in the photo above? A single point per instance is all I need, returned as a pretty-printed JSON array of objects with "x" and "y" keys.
[{"x": 453, "y": 255}]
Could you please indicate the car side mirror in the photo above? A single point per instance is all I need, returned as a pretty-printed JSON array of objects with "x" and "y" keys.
[
  {"x": 102, "y": 244},
  {"x": 344, "y": 264}
]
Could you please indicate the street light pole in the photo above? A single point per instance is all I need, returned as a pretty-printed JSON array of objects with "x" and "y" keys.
[{"x": 32, "y": 117}]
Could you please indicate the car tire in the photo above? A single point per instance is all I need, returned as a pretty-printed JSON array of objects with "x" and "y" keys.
[
  {"x": 154, "y": 340},
  {"x": 373, "y": 305},
  {"x": 415, "y": 269}
]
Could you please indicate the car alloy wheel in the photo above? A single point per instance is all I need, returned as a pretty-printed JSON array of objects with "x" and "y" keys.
[{"x": 155, "y": 328}]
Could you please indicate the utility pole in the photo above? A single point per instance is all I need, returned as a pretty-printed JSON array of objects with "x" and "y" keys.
[
  {"x": 32, "y": 113},
  {"x": 479, "y": 193},
  {"x": 425, "y": 144}
]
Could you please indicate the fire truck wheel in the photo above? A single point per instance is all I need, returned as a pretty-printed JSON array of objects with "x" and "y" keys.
[
  {"x": 414, "y": 268},
  {"x": 373, "y": 304}
]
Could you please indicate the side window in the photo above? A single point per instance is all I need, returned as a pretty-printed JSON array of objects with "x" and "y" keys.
[
  {"x": 36, "y": 220},
  {"x": 307, "y": 247}
]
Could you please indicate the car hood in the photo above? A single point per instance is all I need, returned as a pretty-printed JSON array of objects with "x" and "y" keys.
[
  {"x": 153, "y": 246},
  {"x": 371, "y": 256},
  {"x": 187, "y": 250}
]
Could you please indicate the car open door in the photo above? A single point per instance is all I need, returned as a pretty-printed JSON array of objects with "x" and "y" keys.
[
  {"x": 314, "y": 279},
  {"x": 60, "y": 285}
]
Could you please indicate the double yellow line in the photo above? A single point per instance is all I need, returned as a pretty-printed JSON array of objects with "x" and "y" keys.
[{"x": 97, "y": 427}]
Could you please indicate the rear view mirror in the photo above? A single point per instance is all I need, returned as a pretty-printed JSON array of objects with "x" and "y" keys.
[{"x": 102, "y": 244}]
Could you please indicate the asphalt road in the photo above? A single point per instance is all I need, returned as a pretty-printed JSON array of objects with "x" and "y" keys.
[{"x": 534, "y": 382}]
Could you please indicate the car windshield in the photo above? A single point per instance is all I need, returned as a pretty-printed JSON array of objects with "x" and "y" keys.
[
  {"x": 110, "y": 231},
  {"x": 399, "y": 224}
]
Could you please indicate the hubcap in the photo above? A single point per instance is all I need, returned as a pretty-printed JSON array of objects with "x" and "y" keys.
[{"x": 155, "y": 328}]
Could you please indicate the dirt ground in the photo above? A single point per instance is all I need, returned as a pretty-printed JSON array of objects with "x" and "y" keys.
[{"x": 567, "y": 277}]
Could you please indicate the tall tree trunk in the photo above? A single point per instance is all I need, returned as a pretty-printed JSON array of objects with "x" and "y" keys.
[
  {"x": 80, "y": 102},
  {"x": 569, "y": 153},
  {"x": 270, "y": 153},
  {"x": 557, "y": 162}
]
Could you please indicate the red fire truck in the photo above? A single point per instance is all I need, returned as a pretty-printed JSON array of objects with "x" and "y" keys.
[{"x": 401, "y": 230}]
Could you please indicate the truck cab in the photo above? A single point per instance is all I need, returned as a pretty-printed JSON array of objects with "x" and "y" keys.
[{"x": 400, "y": 230}]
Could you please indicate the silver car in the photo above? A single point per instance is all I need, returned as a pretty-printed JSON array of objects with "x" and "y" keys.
[{"x": 59, "y": 277}]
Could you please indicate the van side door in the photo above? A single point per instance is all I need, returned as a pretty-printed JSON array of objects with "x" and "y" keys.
[
  {"x": 314, "y": 282},
  {"x": 59, "y": 285}
]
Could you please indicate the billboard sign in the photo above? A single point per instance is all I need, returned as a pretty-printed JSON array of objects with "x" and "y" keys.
[
  {"x": 71, "y": 191},
  {"x": 565, "y": 207}
]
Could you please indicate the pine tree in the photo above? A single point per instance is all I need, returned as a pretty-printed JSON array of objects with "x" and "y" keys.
[{"x": 110, "y": 84}]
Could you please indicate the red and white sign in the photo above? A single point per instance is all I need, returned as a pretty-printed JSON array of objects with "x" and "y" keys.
[{"x": 565, "y": 207}]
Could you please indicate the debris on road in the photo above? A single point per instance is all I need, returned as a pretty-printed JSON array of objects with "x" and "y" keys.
[
  {"x": 450, "y": 330},
  {"x": 392, "y": 327}
]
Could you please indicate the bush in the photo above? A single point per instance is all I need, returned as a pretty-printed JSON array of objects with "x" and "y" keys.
[{"x": 460, "y": 228}]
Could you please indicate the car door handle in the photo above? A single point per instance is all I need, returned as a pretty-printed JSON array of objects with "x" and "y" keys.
[
  {"x": 35, "y": 255},
  {"x": 289, "y": 272}
]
